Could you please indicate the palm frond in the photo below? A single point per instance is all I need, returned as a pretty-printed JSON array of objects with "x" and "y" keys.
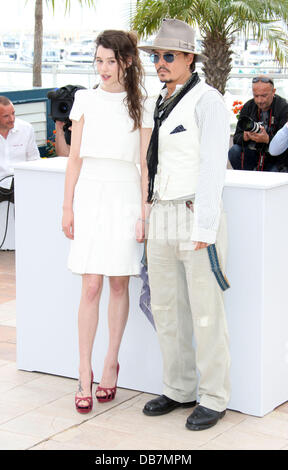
[
  {"x": 90, "y": 4},
  {"x": 218, "y": 21}
]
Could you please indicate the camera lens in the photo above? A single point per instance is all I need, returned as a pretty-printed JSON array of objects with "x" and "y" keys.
[
  {"x": 246, "y": 124},
  {"x": 63, "y": 107},
  {"x": 62, "y": 101}
]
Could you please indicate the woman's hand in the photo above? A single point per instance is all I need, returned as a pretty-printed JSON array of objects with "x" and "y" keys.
[
  {"x": 140, "y": 230},
  {"x": 68, "y": 223}
]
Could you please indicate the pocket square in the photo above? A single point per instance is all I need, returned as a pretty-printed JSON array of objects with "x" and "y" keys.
[{"x": 178, "y": 129}]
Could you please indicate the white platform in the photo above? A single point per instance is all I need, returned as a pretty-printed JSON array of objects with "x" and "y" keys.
[
  {"x": 257, "y": 304},
  {"x": 48, "y": 294}
]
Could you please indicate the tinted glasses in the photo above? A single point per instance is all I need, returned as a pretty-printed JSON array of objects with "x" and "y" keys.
[
  {"x": 262, "y": 79},
  {"x": 169, "y": 57}
]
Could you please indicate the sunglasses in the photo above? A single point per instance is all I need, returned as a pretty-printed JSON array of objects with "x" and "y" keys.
[
  {"x": 262, "y": 79},
  {"x": 169, "y": 57}
]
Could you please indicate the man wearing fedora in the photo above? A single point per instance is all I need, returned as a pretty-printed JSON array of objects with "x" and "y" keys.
[{"x": 187, "y": 160}]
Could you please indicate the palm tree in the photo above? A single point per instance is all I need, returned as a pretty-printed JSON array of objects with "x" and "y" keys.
[
  {"x": 38, "y": 35},
  {"x": 218, "y": 22}
]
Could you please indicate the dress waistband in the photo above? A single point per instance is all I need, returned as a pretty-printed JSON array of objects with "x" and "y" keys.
[{"x": 108, "y": 169}]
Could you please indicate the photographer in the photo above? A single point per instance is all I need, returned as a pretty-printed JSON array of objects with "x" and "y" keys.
[
  {"x": 268, "y": 113},
  {"x": 17, "y": 144},
  {"x": 17, "y": 140},
  {"x": 61, "y": 146},
  {"x": 61, "y": 103}
]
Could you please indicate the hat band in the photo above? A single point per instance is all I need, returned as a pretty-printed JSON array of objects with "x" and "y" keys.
[{"x": 178, "y": 43}]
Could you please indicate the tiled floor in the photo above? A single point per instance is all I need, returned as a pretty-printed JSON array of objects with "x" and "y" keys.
[
  {"x": 37, "y": 412},
  {"x": 7, "y": 276}
]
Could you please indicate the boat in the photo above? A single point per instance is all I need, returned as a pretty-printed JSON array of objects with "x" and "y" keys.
[
  {"x": 79, "y": 53},
  {"x": 9, "y": 48}
]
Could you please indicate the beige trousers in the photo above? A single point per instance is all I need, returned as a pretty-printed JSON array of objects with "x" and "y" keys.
[{"x": 188, "y": 309}]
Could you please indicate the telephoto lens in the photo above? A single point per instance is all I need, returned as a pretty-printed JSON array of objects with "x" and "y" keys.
[{"x": 247, "y": 124}]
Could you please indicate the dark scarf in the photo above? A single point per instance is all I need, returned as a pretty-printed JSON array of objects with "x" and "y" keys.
[{"x": 161, "y": 113}]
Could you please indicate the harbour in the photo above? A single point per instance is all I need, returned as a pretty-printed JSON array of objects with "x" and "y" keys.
[{"x": 70, "y": 61}]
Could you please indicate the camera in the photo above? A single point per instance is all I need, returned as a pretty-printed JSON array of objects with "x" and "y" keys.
[
  {"x": 62, "y": 100},
  {"x": 61, "y": 103},
  {"x": 7, "y": 194},
  {"x": 247, "y": 124}
]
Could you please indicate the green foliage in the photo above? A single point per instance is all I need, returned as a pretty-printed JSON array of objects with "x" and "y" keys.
[
  {"x": 220, "y": 19},
  {"x": 90, "y": 3},
  {"x": 218, "y": 22}
]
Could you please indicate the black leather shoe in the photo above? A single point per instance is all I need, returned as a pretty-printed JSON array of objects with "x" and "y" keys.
[
  {"x": 203, "y": 418},
  {"x": 162, "y": 405}
]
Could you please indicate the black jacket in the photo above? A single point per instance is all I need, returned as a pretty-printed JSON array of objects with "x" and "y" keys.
[{"x": 279, "y": 117}]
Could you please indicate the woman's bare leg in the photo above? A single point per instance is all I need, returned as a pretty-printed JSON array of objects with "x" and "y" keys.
[
  {"x": 87, "y": 325},
  {"x": 117, "y": 319}
]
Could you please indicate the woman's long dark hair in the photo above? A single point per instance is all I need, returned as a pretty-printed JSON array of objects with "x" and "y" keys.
[{"x": 124, "y": 45}]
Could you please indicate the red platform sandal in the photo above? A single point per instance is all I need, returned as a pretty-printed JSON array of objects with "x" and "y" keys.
[
  {"x": 89, "y": 400},
  {"x": 110, "y": 392}
]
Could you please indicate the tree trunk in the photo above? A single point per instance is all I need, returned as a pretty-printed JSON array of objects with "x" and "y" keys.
[
  {"x": 218, "y": 63},
  {"x": 38, "y": 44}
]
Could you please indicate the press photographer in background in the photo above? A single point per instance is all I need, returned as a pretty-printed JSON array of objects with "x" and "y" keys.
[
  {"x": 62, "y": 148},
  {"x": 268, "y": 112},
  {"x": 17, "y": 139},
  {"x": 17, "y": 144},
  {"x": 61, "y": 103}
]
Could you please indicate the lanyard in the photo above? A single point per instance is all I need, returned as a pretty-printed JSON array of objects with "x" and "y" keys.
[{"x": 260, "y": 165}]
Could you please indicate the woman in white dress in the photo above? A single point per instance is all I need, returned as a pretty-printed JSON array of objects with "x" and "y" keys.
[{"x": 104, "y": 200}]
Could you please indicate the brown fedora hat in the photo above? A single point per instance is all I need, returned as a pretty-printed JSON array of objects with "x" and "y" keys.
[{"x": 174, "y": 35}]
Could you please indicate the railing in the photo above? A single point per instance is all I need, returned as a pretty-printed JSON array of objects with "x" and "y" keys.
[
  {"x": 17, "y": 76},
  {"x": 55, "y": 72}
]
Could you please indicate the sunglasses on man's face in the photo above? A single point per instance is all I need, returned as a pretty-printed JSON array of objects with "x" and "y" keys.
[
  {"x": 169, "y": 57},
  {"x": 262, "y": 79}
]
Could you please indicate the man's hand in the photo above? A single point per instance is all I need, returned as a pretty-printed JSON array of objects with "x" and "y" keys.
[
  {"x": 259, "y": 137},
  {"x": 200, "y": 245}
]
